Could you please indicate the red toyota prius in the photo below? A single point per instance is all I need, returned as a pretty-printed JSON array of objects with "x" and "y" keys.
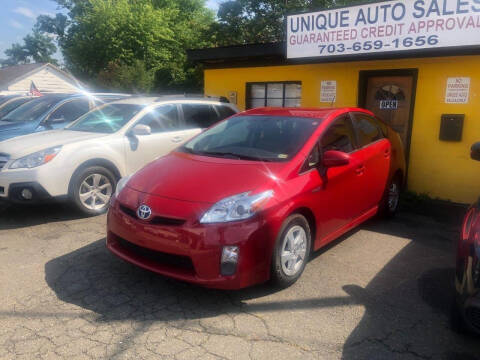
[{"x": 250, "y": 198}]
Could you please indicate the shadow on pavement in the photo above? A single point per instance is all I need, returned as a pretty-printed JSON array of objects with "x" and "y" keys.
[
  {"x": 20, "y": 216},
  {"x": 406, "y": 303}
]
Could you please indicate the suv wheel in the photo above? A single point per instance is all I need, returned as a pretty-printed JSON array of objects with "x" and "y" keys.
[{"x": 92, "y": 189}]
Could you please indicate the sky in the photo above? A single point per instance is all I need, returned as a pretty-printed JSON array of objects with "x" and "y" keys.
[{"x": 17, "y": 18}]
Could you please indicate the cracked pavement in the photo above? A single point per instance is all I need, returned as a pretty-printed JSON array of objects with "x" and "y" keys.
[{"x": 382, "y": 291}]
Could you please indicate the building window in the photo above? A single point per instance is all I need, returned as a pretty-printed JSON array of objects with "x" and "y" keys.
[{"x": 277, "y": 94}]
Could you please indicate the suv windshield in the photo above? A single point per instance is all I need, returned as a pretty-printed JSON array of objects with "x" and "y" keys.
[
  {"x": 260, "y": 138},
  {"x": 107, "y": 119},
  {"x": 33, "y": 110}
]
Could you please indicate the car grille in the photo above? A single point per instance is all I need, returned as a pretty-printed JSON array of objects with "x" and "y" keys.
[
  {"x": 157, "y": 220},
  {"x": 473, "y": 316},
  {"x": 178, "y": 261}
]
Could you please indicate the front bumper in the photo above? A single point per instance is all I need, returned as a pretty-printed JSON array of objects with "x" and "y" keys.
[
  {"x": 49, "y": 181},
  {"x": 191, "y": 251}
]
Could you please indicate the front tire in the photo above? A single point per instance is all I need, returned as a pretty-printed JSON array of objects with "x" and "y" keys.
[
  {"x": 92, "y": 189},
  {"x": 291, "y": 251}
]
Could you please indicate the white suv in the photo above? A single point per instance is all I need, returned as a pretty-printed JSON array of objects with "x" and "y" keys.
[{"x": 84, "y": 161}]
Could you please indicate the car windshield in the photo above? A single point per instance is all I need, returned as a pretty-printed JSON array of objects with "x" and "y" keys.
[
  {"x": 107, "y": 119},
  {"x": 10, "y": 106},
  {"x": 258, "y": 138},
  {"x": 32, "y": 110}
]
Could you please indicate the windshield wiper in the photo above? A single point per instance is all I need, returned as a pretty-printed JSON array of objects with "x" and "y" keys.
[{"x": 234, "y": 155}]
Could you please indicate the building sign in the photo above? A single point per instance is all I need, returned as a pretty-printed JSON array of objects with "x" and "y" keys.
[
  {"x": 389, "y": 104},
  {"x": 458, "y": 90},
  {"x": 328, "y": 91},
  {"x": 383, "y": 27}
]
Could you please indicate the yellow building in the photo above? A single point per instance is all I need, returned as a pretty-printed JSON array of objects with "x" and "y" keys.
[{"x": 431, "y": 96}]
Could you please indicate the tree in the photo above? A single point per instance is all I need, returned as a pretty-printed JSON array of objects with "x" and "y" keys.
[
  {"x": 133, "y": 78},
  {"x": 37, "y": 47},
  {"x": 261, "y": 21},
  {"x": 106, "y": 36}
]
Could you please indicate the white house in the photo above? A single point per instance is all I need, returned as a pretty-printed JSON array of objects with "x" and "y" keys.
[{"x": 47, "y": 78}]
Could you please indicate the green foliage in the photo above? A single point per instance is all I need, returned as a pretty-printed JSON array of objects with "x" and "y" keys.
[
  {"x": 261, "y": 21},
  {"x": 37, "y": 47},
  {"x": 106, "y": 36},
  {"x": 133, "y": 78}
]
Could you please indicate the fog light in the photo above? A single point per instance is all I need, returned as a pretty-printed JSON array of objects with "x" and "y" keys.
[
  {"x": 27, "y": 194},
  {"x": 228, "y": 263}
]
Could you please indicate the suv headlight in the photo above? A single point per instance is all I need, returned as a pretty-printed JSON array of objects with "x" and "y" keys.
[
  {"x": 121, "y": 184},
  {"x": 36, "y": 159},
  {"x": 237, "y": 207}
]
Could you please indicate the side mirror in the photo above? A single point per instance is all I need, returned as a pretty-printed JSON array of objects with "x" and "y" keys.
[
  {"x": 141, "y": 129},
  {"x": 333, "y": 158},
  {"x": 475, "y": 151}
]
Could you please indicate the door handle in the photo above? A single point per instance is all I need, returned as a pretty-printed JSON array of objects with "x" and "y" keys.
[
  {"x": 387, "y": 153},
  {"x": 177, "y": 139},
  {"x": 360, "y": 170}
]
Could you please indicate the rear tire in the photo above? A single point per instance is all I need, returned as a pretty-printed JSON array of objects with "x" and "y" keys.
[
  {"x": 91, "y": 189},
  {"x": 291, "y": 252},
  {"x": 391, "y": 198}
]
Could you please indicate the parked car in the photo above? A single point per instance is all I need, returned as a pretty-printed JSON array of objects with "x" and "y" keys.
[
  {"x": 11, "y": 102},
  {"x": 250, "y": 198},
  {"x": 83, "y": 162},
  {"x": 53, "y": 111},
  {"x": 466, "y": 312}
]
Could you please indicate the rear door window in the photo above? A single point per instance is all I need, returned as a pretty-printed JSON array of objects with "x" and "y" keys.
[
  {"x": 224, "y": 111},
  {"x": 162, "y": 119},
  {"x": 367, "y": 129},
  {"x": 199, "y": 115}
]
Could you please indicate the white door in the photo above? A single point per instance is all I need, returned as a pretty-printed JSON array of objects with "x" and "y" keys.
[{"x": 166, "y": 135}]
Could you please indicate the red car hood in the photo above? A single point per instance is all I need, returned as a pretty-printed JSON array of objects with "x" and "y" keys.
[{"x": 202, "y": 179}]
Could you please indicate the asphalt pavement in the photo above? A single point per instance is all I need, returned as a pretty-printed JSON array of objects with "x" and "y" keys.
[{"x": 383, "y": 291}]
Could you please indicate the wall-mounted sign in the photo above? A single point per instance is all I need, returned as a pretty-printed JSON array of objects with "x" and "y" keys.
[
  {"x": 232, "y": 97},
  {"x": 458, "y": 90},
  {"x": 383, "y": 27},
  {"x": 328, "y": 91},
  {"x": 389, "y": 104}
]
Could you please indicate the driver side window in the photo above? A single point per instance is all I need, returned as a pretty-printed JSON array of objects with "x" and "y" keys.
[
  {"x": 339, "y": 136},
  {"x": 70, "y": 111},
  {"x": 161, "y": 119}
]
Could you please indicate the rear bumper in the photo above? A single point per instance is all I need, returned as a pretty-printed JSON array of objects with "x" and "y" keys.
[{"x": 191, "y": 252}]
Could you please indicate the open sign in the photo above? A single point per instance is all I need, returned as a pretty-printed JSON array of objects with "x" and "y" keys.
[{"x": 389, "y": 104}]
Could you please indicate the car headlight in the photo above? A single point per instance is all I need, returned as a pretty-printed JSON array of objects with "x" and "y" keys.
[
  {"x": 36, "y": 159},
  {"x": 121, "y": 184},
  {"x": 237, "y": 207}
]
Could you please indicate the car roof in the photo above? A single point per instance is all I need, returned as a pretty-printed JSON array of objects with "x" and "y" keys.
[
  {"x": 148, "y": 100},
  {"x": 317, "y": 113}
]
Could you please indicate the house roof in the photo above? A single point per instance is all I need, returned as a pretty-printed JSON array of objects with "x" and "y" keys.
[{"x": 11, "y": 74}]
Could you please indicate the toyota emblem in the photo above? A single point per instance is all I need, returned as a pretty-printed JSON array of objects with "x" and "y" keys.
[{"x": 144, "y": 212}]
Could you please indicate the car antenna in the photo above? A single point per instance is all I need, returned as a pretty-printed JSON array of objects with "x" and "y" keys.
[{"x": 333, "y": 100}]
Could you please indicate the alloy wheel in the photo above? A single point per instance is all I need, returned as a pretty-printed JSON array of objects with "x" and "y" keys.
[
  {"x": 393, "y": 196},
  {"x": 95, "y": 191},
  {"x": 294, "y": 249}
]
